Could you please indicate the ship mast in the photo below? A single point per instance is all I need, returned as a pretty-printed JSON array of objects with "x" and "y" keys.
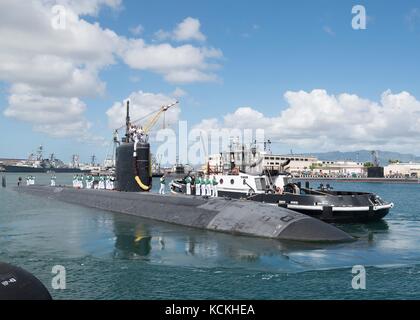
[{"x": 127, "y": 123}]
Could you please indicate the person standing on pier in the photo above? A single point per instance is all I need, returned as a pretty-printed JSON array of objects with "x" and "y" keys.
[{"x": 162, "y": 184}]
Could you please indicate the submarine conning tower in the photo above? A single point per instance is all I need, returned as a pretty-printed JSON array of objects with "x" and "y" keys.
[
  {"x": 132, "y": 162},
  {"x": 133, "y": 173}
]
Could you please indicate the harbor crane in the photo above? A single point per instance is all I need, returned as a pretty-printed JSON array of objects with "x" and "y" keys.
[{"x": 151, "y": 123}]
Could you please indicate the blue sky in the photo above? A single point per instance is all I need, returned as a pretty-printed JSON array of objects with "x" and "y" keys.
[{"x": 268, "y": 48}]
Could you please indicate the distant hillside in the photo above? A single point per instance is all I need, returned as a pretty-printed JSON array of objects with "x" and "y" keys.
[{"x": 365, "y": 155}]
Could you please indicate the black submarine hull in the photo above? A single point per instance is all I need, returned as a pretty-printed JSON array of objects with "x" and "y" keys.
[
  {"x": 238, "y": 217},
  {"x": 18, "y": 284}
]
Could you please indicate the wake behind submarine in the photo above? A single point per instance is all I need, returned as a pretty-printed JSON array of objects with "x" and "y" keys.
[{"x": 238, "y": 217}]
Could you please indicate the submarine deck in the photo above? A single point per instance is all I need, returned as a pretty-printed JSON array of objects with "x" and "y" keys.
[{"x": 216, "y": 214}]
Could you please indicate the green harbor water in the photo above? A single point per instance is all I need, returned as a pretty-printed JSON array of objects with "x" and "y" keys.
[{"x": 114, "y": 256}]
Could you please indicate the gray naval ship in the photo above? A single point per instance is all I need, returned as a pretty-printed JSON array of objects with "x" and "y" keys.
[{"x": 238, "y": 217}]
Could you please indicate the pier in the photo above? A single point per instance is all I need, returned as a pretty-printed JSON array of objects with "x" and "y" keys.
[{"x": 366, "y": 180}]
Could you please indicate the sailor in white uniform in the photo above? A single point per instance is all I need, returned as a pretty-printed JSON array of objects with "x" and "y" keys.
[
  {"x": 188, "y": 185},
  {"x": 139, "y": 136},
  {"x": 162, "y": 185},
  {"x": 203, "y": 186},
  {"x": 197, "y": 186},
  {"x": 214, "y": 184},
  {"x": 53, "y": 178}
]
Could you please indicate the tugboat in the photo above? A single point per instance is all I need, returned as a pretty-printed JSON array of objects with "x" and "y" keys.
[{"x": 323, "y": 202}]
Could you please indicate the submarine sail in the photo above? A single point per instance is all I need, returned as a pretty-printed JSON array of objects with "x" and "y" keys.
[
  {"x": 133, "y": 158},
  {"x": 133, "y": 174}
]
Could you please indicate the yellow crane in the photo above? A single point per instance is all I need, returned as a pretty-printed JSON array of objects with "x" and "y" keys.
[
  {"x": 149, "y": 125},
  {"x": 156, "y": 115}
]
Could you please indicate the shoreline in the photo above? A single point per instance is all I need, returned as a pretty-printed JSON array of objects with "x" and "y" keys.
[{"x": 362, "y": 180}]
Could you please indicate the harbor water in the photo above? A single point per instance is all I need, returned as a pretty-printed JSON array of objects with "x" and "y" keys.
[{"x": 114, "y": 256}]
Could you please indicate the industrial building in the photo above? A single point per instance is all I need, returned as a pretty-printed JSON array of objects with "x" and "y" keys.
[{"x": 404, "y": 170}]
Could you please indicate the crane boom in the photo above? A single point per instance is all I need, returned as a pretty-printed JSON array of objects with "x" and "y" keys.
[{"x": 155, "y": 118}]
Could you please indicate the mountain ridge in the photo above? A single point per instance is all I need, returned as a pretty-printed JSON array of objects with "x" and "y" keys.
[{"x": 364, "y": 156}]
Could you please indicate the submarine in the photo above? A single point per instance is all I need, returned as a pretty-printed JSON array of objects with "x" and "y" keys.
[
  {"x": 132, "y": 196},
  {"x": 18, "y": 284}
]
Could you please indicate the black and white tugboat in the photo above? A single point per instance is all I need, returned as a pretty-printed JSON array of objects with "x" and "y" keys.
[{"x": 323, "y": 202}]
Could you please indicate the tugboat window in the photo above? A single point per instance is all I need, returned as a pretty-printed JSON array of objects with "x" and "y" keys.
[
  {"x": 232, "y": 181},
  {"x": 260, "y": 183},
  {"x": 221, "y": 181}
]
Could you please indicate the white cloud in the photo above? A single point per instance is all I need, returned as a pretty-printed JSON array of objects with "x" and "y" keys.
[
  {"x": 49, "y": 70},
  {"x": 183, "y": 64},
  {"x": 138, "y": 30},
  {"x": 178, "y": 93},
  {"x": 162, "y": 35},
  {"x": 42, "y": 64},
  {"x": 328, "y": 30},
  {"x": 141, "y": 105},
  {"x": 317, "y": 120},
  {"x": 413, "y": 18},
  {"x": 187, "y": 30},
  {"x": 85, "y": 7},
  {"x": 58, "y": 117}
]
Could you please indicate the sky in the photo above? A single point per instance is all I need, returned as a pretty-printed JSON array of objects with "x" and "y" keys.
[{"x": 297, "y": 69}]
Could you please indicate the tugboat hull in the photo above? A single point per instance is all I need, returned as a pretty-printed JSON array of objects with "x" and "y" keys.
[{"x": 331, "y": 207}]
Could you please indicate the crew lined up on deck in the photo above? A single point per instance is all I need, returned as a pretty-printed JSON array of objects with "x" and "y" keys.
[
  {"x": 201, "y": 186},
  {"x": 137, "y": 135},
  {"x": 89, "y": 182},
  {"x": 30, "y": 180}
]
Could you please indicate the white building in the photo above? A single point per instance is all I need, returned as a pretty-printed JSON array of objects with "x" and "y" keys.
[
  {"x": 297, "y": 165},
  {"x": 256, "y": 162},
  {"x": 410, "y": 169},
  {"x": 339, "y": 168}
]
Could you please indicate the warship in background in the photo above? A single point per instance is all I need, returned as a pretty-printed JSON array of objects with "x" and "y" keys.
[{"x": 36, "y": 163}]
